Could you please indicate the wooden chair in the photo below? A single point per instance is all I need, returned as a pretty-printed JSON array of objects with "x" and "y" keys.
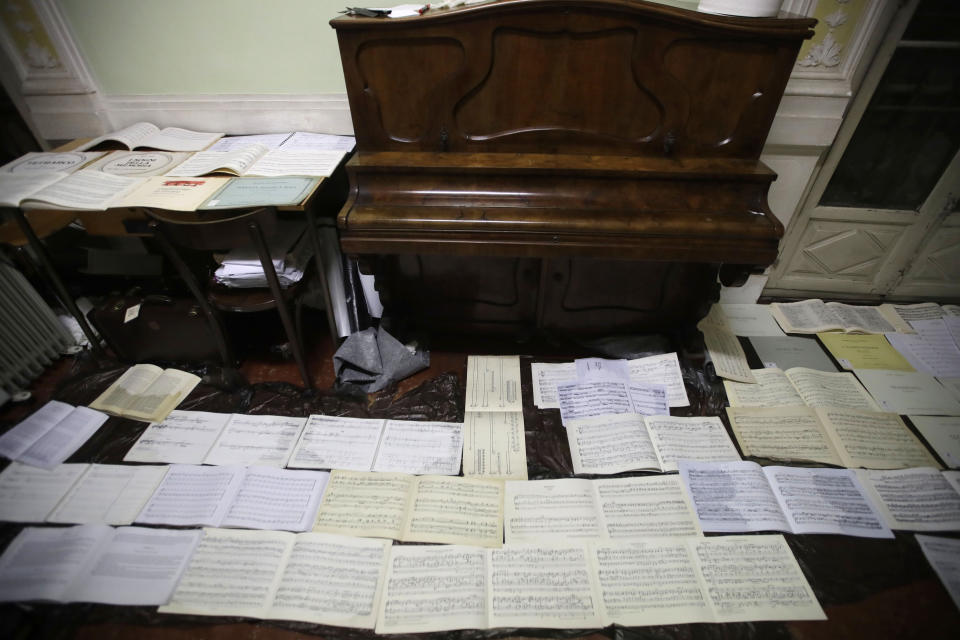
[{"x": 223, "y": 230}]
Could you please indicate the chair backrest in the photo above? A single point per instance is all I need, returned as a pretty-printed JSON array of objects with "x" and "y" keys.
[{"x": 213, "y": 230}]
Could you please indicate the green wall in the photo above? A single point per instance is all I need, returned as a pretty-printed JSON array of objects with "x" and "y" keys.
[{"x": 190, "y": 47}]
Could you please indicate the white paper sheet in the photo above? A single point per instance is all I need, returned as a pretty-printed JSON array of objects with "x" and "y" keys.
[
  {"x": 908, "y": 392},
  {"x": 108, "y": 494},
  {"x": 276, "y": 499},
  {"x": 29, "y": 494},
  {"x": 431, "y": 448},
  {"x": 943, "y": 554},
  {"x": 191, "y": 495},
  {"x": 66, "y": 436},
  {"x": 331, "y": 442},
  {"x": 254, "y": 440},
  {"x": 184, "y": 437}
]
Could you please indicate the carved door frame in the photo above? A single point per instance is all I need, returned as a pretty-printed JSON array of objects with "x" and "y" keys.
[{"x": 870, "y": 253}]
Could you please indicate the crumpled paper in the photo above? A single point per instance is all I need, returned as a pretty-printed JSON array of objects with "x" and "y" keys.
[{"x": 372, "y": 359}]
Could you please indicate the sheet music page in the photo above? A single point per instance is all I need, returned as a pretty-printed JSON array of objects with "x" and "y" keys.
[
  {"x": 191, "y": 495},
  {"x": 772, "y": 389},
  {"x": 649, "y": 582},
  {"x": 874, "y": 440},
  {"x": 232, "y": 573},
  {"x": 754, "y": 578},
  {"x": 29, "y": 494},
  {"x": 590, "y": 369},
  {"x": 333, "y": 580},
  {"x": 943, "y": 434},
  {"x": 494, "y": 445},
  {"x": 162, "y": 396},
  {"x": 277, "y": 499},
  {"x": 235, "y": 161},
  {"x": 184, "y": 437},
  {"x": 943, "y": 554},
  {"x": 586, "y": 399},
  {"x": 177, "y": 139},
  {"x": 546, "y": 376},
  {"x": 83, "y": 190},
  {"x": 645, "y": 506},
  {"x": 661, "y": 369},
  {"x": 806, "y": 316},
  {"x": 909, "y": 392},
  {"x": 138, "y": 566},
  {"x": 648, "y": 399},
  {"x": 785, "y": 433},
  {"x": 541, "y": 586},
  {"x": 751, "y": 320},
  {"x": 901, "y": 315},
  {"x": 42, "y": 562},
  {"x": 60, "y": 442},
  {"x": 130, "y": 136},
  {"x": 121, "y": 392},
  {"x": 249, "y": 441},
  {"x": 824, "y": 389},
  {"x": 860, "y": 318},
  {"x": 493, "y": 383},
  {"x": 304, "y": 141},
  {"x": 729, "y": 360},
  {"x": 689, "y": 438},
  {"x": 287, "y": 162},
  {"x": 456, "y": 511},
  {"x": 918, "y": 499},
  {"x": 413, "y": 446},
  {"x": 932, "y": 350},
  {"x": 611, "y": 444},
  {"x": 18, "y": 439},
  {"x": 108, "y": 494},
  {"x": 826, "y": 501},
  {"x": 434, "y": 588},
  {"x": 550, "y": 510},
  {"x": 268, "y": 140},
  {"x": 331, "y": 442},
  {"x": 731, "y": 497},
  {"x": 15, "y": 188},
  {"x": 358, "y": 503}
]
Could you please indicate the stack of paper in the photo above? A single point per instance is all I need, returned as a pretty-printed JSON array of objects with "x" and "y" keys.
[{"x": 241, "y": 268}]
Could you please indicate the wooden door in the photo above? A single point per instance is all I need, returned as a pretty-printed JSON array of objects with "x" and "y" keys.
[{"x": 881, "y": 221}]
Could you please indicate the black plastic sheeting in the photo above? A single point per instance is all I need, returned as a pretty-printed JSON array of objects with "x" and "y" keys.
[{"x": 842, "y": 570}]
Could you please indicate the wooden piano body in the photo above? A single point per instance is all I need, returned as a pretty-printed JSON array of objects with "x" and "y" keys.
[{"x": 584, "y": 166}]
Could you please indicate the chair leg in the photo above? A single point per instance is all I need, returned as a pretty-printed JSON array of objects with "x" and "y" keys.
[
  {"x": 322, "y": 272},
  {"x": 187, "y": 276},
  {"x": 256, "y": 235}
]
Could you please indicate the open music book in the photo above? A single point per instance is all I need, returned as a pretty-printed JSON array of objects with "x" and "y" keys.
[
  {"x": 413, "y": 508},
  {"x": 631, "y": 442},
  {"x": 799, "y": 386},
  {"x": 95, "y": 563},
  {"x": 312, "y": 577},
  {"x": 51, "y": 434},
  {"x": 815, "y": 316},
  {"x": 736, "y": 497},
  {"x": 570, "y": 508},
  {"x": 144, "y": 135},
  {"x": 843, "y": 437},
  {"x": 146, "y": 392},
  {"x": 575, "y": 586}
]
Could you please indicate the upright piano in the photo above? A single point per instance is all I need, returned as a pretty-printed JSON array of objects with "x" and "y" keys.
[{"x": 574, "y": 166}]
